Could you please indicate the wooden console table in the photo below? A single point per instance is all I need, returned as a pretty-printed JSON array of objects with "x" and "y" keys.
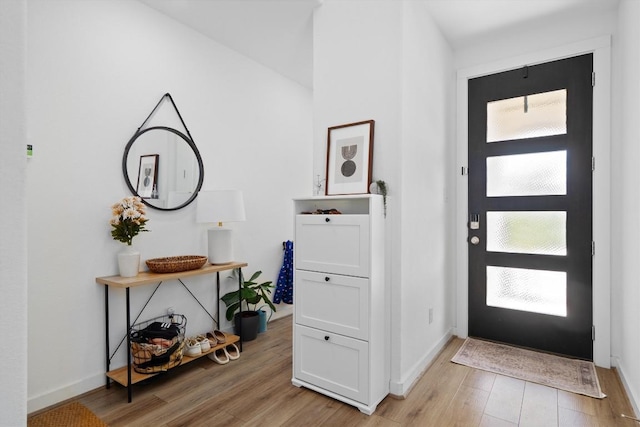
[{"x": 126, "y": 375}]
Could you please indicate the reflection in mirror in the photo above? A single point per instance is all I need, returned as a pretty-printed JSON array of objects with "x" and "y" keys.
[{"x": 163, "y": 167}]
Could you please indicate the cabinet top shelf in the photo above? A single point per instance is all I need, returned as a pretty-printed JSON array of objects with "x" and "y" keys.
[
  {"x": 148, "y": 277},
  {"x": 364, "y": 204},
  {"x": 342, "y": 197}
]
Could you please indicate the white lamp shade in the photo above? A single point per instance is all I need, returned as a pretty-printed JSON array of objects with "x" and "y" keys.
[{"x": 220, "y": 206}]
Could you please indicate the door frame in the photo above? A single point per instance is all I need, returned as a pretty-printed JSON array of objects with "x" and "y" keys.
[{"x": 601, "y": 49}]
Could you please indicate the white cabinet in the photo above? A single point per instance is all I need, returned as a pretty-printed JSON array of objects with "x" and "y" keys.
[{"x": 341, "y": 310}]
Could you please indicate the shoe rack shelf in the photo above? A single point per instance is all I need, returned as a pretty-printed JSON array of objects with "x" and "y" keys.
[
  {"x": 125, "y": 375},
  {"x": 120, "y": 375}
]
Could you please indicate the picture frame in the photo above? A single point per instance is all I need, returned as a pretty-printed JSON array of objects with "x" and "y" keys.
[
  {"x": 349, "y": 158},
  {"x": 147, "y": 175}
]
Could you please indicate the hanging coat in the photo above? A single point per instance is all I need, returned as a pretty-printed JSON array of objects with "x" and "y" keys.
[{"x": 284, "y": 287}]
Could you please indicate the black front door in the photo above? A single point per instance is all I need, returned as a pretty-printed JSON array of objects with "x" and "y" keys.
[{"x": 530, "y": 213}]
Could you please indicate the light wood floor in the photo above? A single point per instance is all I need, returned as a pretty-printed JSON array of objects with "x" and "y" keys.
[{"x": 256, "y": 390}]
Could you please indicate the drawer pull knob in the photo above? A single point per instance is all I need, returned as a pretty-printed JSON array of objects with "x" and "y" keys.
[
  {"x": 327, "y": 219},
  {"x": 326, "y": 279},
  {"x": 326, "y": 337}
]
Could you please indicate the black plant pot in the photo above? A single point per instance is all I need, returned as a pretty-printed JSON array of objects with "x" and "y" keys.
[{"x": 250, "y": 325}]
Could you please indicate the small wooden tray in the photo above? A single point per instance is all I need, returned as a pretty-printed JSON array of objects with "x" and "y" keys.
[{"x": 175, "y": 264}]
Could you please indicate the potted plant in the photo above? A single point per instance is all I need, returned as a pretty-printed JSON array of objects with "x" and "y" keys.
[
  {"x": 251, "y": 293},
  {"x": 128, "y": 220}
]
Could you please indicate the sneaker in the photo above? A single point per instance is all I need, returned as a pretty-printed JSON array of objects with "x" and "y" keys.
[
  {"x": 192, "y": 347},
  {"x": 205, "y": 345}
]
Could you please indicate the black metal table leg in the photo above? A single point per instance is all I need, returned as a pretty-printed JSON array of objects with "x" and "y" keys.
[
  {"x": 129, "y": 391},
  {"x": 218, "y": 300},
  {"x": 240, "y": 307},
  {"x": 106, "y": 329}
]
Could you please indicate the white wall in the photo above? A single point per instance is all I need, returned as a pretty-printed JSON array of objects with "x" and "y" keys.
[
  {"x": 626, "y": 199},
  {"x": 13, "y": 227},
  {"x": 426, "y": 166},
  {"x": 95, "y": 70},
  {"x": 387, "y": 61},
  {"x": 537, "y": 35}
]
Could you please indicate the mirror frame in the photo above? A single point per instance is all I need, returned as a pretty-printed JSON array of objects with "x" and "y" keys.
[{"x": 188, "y": 141}]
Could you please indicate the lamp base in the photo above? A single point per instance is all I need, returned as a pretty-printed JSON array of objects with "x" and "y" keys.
[{"x": 220, "y": 246}]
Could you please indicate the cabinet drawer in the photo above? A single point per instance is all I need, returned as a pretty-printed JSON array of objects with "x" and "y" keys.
[
  {"x": 333, "y": 303},
  {"x": 333, "y": 362},
  {"x": 333, "y": 243}
]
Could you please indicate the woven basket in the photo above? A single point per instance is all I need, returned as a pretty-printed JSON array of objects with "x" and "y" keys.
[
  {"x": 175, "y": 264},
  {"x": 143, "y": 353},
  {"x": 150, "y": 358}
]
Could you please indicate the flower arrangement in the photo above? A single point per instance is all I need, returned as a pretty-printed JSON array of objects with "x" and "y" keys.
[{"x": 128, "y": 219}]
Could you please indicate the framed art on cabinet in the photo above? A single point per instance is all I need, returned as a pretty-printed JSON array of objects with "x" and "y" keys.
[
  {"x": 147, "y": 175},
  {"x": 349, "y": 158}
]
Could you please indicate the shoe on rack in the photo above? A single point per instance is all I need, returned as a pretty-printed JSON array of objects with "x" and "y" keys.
[
  {"x": 219, "y": 356},
  {"x": 233, "y": 353},
  {"x": 216, "y": 337},
  {"x": 205, "y": 344},
  {"x": 193, "y": 348}
]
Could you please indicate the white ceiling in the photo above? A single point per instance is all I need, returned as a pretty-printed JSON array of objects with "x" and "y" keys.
[{"x": 279, "y": 33}]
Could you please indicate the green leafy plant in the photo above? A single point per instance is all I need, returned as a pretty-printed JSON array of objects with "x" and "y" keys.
[
  {"x": 251, "y": 293},
  {"x": 128, "y": 219},
  {"x": 382, "y": 187}
]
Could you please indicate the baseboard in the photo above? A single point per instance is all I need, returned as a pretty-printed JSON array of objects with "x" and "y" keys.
[
  {"x": 400, "y": 389},
  {"x": 69, "y": 391},
  {"x": 282, "y": 312},
  {"x": 633, "y": 395}
]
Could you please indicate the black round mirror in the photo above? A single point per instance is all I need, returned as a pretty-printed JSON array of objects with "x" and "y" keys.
[{"x": 163, "y": 167}]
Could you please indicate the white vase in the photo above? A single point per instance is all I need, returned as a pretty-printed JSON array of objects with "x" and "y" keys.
[{"x": 129, "y": 262}]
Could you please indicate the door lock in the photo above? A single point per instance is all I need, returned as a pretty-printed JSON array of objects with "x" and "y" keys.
[
  {"x": 474, "y": 240},
  {"x": 474, "y": 221}
]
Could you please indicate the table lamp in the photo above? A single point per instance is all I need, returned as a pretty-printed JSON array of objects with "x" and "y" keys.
[{"x": 220, "y": 206}]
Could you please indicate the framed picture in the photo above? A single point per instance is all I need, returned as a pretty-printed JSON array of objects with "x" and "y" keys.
[
  {"x": 147, "y": 175},
  {"x": 349, "y": 158}
]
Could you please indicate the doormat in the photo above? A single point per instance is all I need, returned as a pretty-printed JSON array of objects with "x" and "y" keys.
[
  {"x": 576, "y": 376},
  {"x": 70, "y": 415}
]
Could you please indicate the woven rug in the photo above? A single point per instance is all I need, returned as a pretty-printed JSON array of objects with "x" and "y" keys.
[
  {"x": 70, "y": 415},
  {"x": 576, "y": 376}
]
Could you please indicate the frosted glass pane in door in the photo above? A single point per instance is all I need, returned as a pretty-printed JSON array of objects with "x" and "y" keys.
[
  {"x": 533, "y": 174},
  {"x": 531, "y": 116},
  {"x": 538, "y": 232},
  {"x": 537, "y": 291}
]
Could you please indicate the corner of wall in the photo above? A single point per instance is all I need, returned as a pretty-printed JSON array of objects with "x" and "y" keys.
[
  {"x": 400, "y": 389},
  {"x": 632, "y": 393}
]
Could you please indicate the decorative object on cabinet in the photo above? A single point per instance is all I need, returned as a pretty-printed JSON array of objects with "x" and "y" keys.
[
  {"x": 251, "y": 293},
  {"x": 178, "y": 182},
  {"x": 341, "y": 310},
  {"x": 128, "y": 221},
  {"x": 349, "y": 158},
  {"x": 318, "y": 186},
  {"x": 380, "y": 188},
  {"x": 176, "y": 264},
  {"x": 126, "y": 375},
  {"x": 218, "y": 207},
  {"x": 147, "y": 175}
]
